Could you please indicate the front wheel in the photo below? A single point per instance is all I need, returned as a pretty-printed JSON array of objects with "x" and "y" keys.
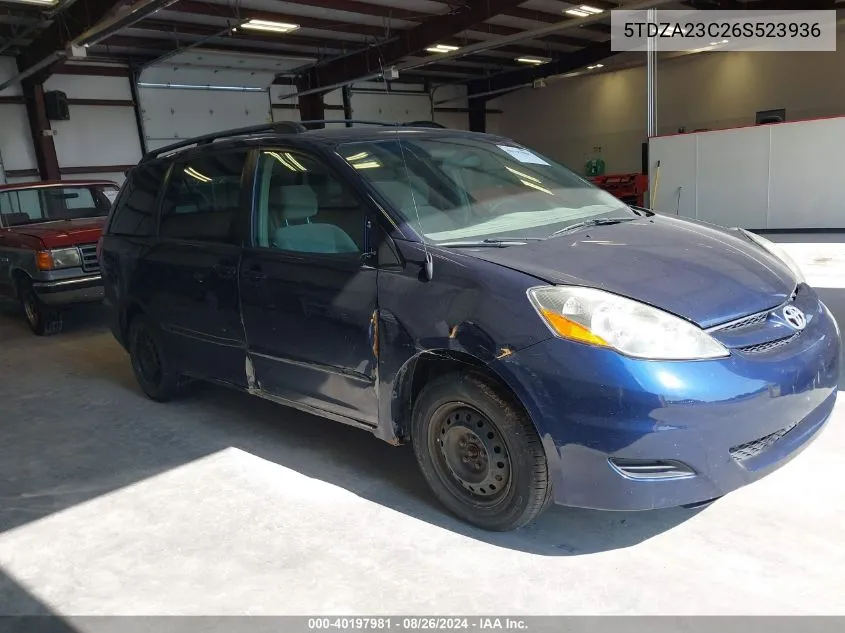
[
  {"x": 480, "y": 453},
  {"x": 42, "y": 320}
]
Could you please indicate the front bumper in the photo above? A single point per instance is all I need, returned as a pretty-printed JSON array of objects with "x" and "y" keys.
[
  {"x": 731, "y": 420},
  {"x": 64, "y": 292}
]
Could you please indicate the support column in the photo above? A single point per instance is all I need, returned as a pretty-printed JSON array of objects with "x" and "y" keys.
[
  {"x": 45, "y": 149},
  {"x": 478, "y": 114},
  {"x": 651, "y": 79},
  {"x": 312, "y": 108},
  {"x": 134, "y": 76},
  {"x": 347, "y": 104}
]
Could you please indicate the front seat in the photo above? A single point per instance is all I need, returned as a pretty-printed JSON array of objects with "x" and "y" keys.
[{"x": 298, "y": 233}]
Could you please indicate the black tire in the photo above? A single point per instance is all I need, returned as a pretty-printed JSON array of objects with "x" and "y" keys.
[
  {"x": 153, "y": 371},
  {"x": 480, "y": 453},
  {"x": 42, "y": 320}
]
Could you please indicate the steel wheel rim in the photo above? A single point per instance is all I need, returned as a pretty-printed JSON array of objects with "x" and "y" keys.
[
  {"x": 469, "y": 450},
  {"x": 148, "y": 361}
]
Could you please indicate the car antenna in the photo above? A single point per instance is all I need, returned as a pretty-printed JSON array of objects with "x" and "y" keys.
[{"x": 428, "y": 266}]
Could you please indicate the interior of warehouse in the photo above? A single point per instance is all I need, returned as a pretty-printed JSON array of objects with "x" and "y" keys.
[{"x": 221, "y": 503}]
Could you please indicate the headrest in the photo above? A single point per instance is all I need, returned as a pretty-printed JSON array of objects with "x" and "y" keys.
[
  {"x": 10, "y": 219},
  {"x": 298, "y": 202}
]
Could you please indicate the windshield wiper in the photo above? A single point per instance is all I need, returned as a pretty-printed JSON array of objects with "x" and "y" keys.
[
  {"x": 594, "y": 222},
  {"x": 498, "y": 242}
]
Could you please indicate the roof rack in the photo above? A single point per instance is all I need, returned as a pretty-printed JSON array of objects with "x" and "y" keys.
[{"x": 277, "y": 127}]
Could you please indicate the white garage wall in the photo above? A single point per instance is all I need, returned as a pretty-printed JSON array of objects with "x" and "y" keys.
[
  {"x": 95, "y": 136},
  {"x": 570, "y": 117},
  {"x": 371, "y": 102},
  {"x": 16, "y": 151},
  {"x": 757, "y": 177},
  {"x": 172, "y": 114}
]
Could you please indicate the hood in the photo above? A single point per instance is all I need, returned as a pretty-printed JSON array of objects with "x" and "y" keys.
[
  {"x": 64, "y": 232},
  {"x": 706, "y": 274}
]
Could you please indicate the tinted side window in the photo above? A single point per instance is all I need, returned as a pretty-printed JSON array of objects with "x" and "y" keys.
[
  {"x": 203, "y": 199},
  {"x": 302, "y": 207},
  {"x": 135, "y": 209}
]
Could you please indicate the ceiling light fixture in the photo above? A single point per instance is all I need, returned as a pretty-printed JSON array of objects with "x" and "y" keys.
[
  {"x": 267, "y": 25},
  {"x": 41, "y": 2},
  {"x": 533, "y": 60},
  {"x": 594, "y": 66},
  {"x": 588, "y": 9},
  {"x": 442, "y": 48}
]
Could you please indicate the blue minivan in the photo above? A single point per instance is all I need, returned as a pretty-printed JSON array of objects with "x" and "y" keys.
[{"x": 532, "y": 337}]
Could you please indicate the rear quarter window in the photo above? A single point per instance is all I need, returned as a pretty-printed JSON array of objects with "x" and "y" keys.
[{"x": 135, "y": 208}]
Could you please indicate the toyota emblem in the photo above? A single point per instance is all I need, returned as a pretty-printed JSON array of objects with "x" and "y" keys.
[{"x": 795, "y": 317}]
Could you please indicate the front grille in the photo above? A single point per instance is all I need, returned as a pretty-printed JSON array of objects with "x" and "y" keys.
[
  {"x": 90, "y": 264},
  {"x": 768, "y": 346},
  {"x": 752, "y": 449},
  {"x": 754, "y": 319}
]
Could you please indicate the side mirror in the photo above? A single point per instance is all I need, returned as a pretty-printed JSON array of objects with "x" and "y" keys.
[{"x": 387, "y": 255}]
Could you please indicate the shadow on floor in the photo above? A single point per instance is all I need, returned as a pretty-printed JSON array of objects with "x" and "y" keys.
[
  {"x": 86, "y": 430},
  {"x": 22, "y": 612}
]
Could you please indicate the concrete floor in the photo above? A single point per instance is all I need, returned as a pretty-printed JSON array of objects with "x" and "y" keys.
[{"x": 226, "y": 504}]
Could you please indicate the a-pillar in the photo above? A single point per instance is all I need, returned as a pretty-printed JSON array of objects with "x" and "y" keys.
[{"x": 39, "y": 125}]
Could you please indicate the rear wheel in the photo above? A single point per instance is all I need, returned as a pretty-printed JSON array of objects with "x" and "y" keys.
[
  {"x": 152, "y": 370},
  {"x": 42, "y": 320},
  {"x": 480, "y": 453}
]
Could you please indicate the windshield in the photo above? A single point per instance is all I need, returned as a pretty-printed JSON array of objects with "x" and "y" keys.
[
  {"x": 46, "y": 204},
  {"x": 454, "y": 190}
]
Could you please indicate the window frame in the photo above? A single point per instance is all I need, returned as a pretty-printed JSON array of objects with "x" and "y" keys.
[
  {"x": 371, "y": 227},
  {"x": 244, "y": 209}
]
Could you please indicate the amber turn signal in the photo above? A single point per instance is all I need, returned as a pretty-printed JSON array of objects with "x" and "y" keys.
[
  {"x": 572, "y": 330},
  {"x": 44, "y": 260}
]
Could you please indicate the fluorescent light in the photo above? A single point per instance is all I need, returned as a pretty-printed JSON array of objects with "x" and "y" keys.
[
  {"x": 142, "y": 84},
  {"x": 535, "y": 186},
  {"x": 193, "y": 173},
  {"x": 718, "y": 43},
  {"x": 594, "y": 66},
  {"x": 267, "y": 25},
  {"x": 288, "y": 161},
  {"x": 371, "y": 164},
  {"x": 358, "y": 156},
  {"x": 516, "y": 172},
  {"x": 533, "y": 60},
  {"x": 41, "y": 2},
  {"x": 442, "y": 48},
  {"x": 577, "y": 13},
  {"x": 295, "y": 162},
  {"x": 586, "y": 8}
]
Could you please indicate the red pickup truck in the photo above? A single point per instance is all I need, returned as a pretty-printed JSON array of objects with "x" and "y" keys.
[{"x": 48, "y": 246}]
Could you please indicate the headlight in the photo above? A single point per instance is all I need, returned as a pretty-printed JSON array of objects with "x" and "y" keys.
[
  {"x": 603, "y": 319},
  {"x": 58, "y": 258},
  {"x": 778, "y": 252}
]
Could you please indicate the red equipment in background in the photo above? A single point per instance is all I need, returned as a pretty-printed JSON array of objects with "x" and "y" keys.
[{"x": 629, "y": 188}]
